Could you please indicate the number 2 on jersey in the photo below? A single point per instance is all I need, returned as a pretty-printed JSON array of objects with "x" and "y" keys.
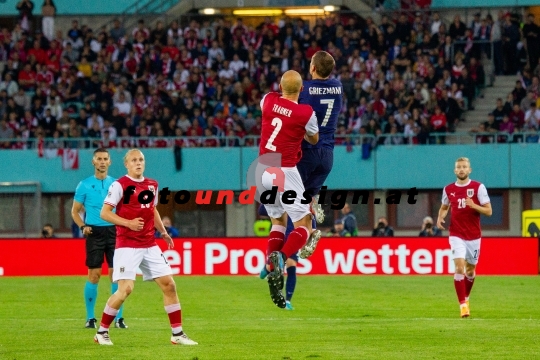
[
  {"x": 277, "y": 123},
  {"x": 461, "y": 204},
  {"x": 330, "y": 103}
]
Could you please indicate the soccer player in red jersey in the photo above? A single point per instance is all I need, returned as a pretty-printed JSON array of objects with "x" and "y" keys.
[
  {"x": 285, "y": 123},
  {"x": 135, "y": 199},
  {"x": 468, "y": 199}
]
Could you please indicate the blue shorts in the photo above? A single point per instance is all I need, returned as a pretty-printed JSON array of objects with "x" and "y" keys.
[{"x": 314, "y": 168}]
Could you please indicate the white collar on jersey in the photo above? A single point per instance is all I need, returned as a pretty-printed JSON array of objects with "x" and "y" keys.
[
  {"x": 288, "y": 100},
  {"x": 136, "y": 180},
  {"x": 463, "y": 185}
]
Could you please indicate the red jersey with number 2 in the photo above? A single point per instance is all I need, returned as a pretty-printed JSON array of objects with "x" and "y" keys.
[
  {"x": 464, "y": 221},
  {"x": 284, "y": 124},
  {"x": 144, "y": 189}
]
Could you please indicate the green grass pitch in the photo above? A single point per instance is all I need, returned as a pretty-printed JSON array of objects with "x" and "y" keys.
[{"x": 335, "y": 317}]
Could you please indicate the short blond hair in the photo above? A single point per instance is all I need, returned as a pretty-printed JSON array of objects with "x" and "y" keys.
[
  {"x": 129, "y": 152},
  {"x": 464, "y": 159}
]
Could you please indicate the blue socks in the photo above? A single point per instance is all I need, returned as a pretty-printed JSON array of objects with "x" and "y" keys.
[
  {"x": 291, "y": 282},
  {"x": 90, "y": 296},
  {"x": 114, "y": 287}
]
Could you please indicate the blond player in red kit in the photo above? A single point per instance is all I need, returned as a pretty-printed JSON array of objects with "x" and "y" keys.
[
  {"x": 135, "y": 199},
  {"x": 468, "y": 199},
  {"x": 285, "y": 123}
]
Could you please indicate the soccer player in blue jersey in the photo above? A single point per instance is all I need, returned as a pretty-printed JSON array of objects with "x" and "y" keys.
[
  {"x": 100, "y": 235},
  {"x": 325, "y": 95}
]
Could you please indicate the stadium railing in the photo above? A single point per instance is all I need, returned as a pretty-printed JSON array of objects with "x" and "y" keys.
[{"x": 253, "y": 140}]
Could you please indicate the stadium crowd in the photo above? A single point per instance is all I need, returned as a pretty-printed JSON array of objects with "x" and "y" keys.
[{"x": 199, "y": 85}]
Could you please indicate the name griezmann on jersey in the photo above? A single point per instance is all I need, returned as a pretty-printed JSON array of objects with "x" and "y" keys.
[{"x": 334, "y": 90}]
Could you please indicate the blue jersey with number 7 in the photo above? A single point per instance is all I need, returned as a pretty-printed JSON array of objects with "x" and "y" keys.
[{"x": 326, "y": 99}]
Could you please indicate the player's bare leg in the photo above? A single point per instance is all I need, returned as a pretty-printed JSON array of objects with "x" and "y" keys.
[
  {"x": 125, "y": 288},
  {"x": 459, "y": 284},
  {"x": 90, "y": 296},
  {"x": 119, "y": 320},
  {"x": 174, "y": 310},
  {"x": 470, "y": 274}
]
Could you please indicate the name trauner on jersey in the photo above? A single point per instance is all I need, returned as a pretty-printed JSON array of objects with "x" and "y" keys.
[{"x": 281, "y": 110}]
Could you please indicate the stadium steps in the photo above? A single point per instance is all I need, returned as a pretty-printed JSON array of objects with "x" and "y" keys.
[{"x": 502, "y": 86}]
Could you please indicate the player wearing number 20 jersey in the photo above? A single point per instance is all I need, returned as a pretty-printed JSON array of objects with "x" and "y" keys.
[{"x": 467, "y": 200}]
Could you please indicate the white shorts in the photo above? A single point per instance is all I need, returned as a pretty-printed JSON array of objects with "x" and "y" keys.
[
  {"x": 465, "y": 249},
  {"x": 150, "y": 260},
  {"x": 293, "y": 181}
]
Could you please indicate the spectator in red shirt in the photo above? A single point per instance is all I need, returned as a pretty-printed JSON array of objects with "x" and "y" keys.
[
  {"x": 106, "y": 142},
  {"x": 438, "y": 123},
  {"x": 38, "y": 53},
  {"x": 312, "y": 49},
  {"x": 379, "y": 105},
  {"x": 210, "y": 140},
  {"x": 161, "y": 142},
  {"x": 27, "y": 78},
  {"x": 517, "y": 117},
  {"x": 171, "y": 49}
]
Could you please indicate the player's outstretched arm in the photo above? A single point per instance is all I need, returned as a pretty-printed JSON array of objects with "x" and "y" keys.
[
  {"x": 107, "y": 214},
  {"x": 158, "y": 224},
  {"x": 443, "y": 211}
]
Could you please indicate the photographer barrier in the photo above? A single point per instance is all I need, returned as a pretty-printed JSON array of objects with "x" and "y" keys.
[{"x": 246, "y": 256}]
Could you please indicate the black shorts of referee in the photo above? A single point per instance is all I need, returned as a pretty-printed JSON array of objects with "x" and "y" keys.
[{"x": 100, "y": 244}]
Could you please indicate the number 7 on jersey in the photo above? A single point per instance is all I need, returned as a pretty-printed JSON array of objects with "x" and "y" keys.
[{"x": 330, "y": 103}]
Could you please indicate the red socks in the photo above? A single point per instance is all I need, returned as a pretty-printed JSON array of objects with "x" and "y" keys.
[
  {"x": 107, "y": 318},
  {"x": 469, "y": 282},
  {"x": 297, "y": 238},
  {"x": 275, "y": 242},
  {"x": 459, "y": 283},
  {"x": 175, "y": 317}
]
